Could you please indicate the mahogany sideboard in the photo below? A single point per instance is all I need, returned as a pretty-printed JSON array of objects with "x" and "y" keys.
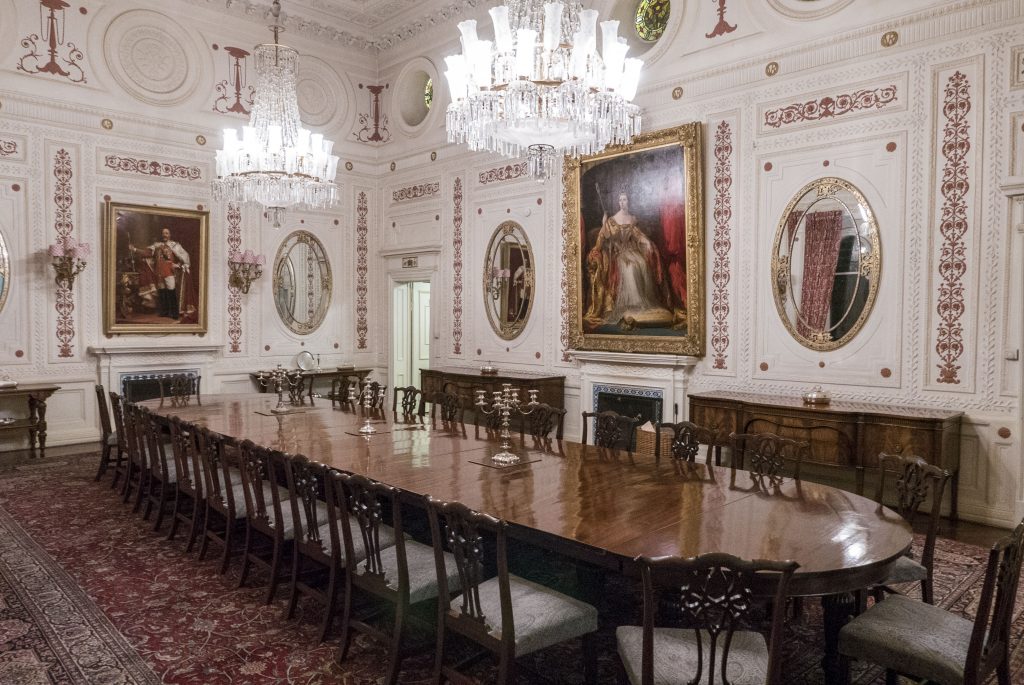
[
  {"x": 465, "y": 382},
  {"x": 842, "y": 434},
  {"x": 35, "y": 423}
]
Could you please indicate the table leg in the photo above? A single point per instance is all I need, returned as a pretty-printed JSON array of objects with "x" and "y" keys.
[{"x": 837, "y": 609}]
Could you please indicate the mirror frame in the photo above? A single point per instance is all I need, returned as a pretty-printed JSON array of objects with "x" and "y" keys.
[
  {"x": 326, "y": 281},
  {"x": 504, "y": 330},
  {"x": 870, "y": 266},
  {"x": 5, "y": 271}
]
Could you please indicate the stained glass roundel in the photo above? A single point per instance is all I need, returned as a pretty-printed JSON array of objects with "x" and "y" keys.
[{"x": 651, "y": 19}]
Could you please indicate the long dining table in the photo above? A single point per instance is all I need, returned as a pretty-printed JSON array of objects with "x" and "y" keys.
[{"x": 603, "y": 506}]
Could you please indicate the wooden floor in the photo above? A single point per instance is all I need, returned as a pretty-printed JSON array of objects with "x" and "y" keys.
[{"x": 964, "y": 531}]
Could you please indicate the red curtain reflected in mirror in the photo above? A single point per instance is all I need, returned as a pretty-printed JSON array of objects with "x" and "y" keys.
[{"x": 822, "y": 232}]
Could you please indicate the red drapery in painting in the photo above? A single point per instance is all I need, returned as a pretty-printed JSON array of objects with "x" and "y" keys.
[
  {"x": 673, "y": 223},
  {"x": 822, "y": 232}
]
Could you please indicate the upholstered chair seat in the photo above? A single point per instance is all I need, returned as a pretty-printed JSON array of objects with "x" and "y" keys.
[
  {"x": 422, "y": 572},
  {"x": 387, "y": 539},
  {"x": 907, "y": 570},
  {"x": 938, "y": 652},
  {"x": 238, "y": 492},
  {"x": 542, "y": 617},
  {"x": 676, "y": 657}
]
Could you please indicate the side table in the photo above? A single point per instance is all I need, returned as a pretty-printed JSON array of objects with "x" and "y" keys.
[{"x": 36, "y": 394}]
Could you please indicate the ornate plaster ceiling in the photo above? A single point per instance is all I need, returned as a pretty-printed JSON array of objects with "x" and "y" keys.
[{"x": 365, "y": 24}]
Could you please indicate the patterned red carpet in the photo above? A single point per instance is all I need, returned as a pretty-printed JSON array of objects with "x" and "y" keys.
[{"x": 88, "y": 594}]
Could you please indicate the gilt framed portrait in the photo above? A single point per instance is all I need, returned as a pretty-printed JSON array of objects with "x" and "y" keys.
[
  {"x": 155, "y": 266},
  {"x": 634, "y": 241}
]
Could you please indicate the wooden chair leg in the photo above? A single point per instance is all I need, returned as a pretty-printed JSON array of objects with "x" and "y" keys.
[
  {"x": 589, "y": 646},
  {"x": 161, "y": 507},
  {"x": 438, "y": 674},
  {"x": 142, "y": 490},
  {"x": 891, "y": 677},
  {"x": 395, "y": 649},
  {"x": 129, "y": 472},
  {"x": 293, "y": 587},
  {"x": 246, "y": 548},
  {"x": 346, "y": 618},
  {"x": 275, "y": 571},
  {"x": 844, "y": 670},
  {"x": 175, "y": 511},
  {"x": 104, "y": 461},
  {"x": 331, "y": 605},
  {"x": 225, "y": 559},
  {"x": 205, "y": 544},
  {"x": 927, "y": 593},
  {"x": 507, "y": 668},
  {"x": 198, "y": 512}
]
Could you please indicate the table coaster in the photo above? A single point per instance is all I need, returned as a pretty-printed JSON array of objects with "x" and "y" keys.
[
  {"x": 296, "y": 410},
  {"x": 366, "y": 435},
  {"x": 491, "y": 465}
]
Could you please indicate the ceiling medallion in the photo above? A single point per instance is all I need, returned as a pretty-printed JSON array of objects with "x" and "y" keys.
[
  {"x": 541, "y": 87},
  {"x": 275, "y": 162}
]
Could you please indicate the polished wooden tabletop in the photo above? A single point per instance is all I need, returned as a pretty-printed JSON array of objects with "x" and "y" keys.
[{"x": 588, "y": 500}]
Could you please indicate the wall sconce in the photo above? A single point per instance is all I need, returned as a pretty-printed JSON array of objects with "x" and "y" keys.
[
  {"x": 499, "y": 277},
  {"x": 245, "y": 267},
  {"x": 68, "y": 258}
]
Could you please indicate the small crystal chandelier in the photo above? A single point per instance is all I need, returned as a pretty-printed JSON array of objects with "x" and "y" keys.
[
  {"x": 540, "y": 86},
  {"x": 276, "y": 162}
]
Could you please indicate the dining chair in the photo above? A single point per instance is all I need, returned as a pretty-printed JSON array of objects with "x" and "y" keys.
[
  {"x": 686, "y": 441},
  {"x": 927, "y": 643},
  {"x": 771, "y": 456},
  {"x": 162, "y": 487},
  {"x": 189, "y": 502},
  {"x": 110, "y": 441},
  {"x": 136, "y": 477},
  {"x": 179, "y": 389},
  {"x": 340, "y": 385},
  {"x": 541, "y": 420},
  {"x": 224, "y": 511},
  {"x": 410, "y": 400},
  {"x": 507, "y": 615},
  {"x": 612, "y": 430},
  {"x": 377, "y": 391},
  {"x": 121, "y": 464},
  {"x": 268, "y": 520},
  {"x": 914, "y": 481},
  {"x": 399, "y": 571},
  {"x": 316, "y": 549},
  {"x": 712, "y": 611},
  {"x": 450, "y": 405}
]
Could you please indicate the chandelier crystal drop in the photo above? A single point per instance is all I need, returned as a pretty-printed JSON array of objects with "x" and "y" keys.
[
  {"x": 540, "y": 86},
  {"x": 275, "y": 162}
]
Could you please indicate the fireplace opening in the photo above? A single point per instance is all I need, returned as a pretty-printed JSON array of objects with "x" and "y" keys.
[
  {"x": 136, "y": 387},
  {"x": 644, "y": 408}
]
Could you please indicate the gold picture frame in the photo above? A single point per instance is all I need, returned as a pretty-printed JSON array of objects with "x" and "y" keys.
[
  {"x": 633, "y": 236},
  {"x": 155, "y": 270}
]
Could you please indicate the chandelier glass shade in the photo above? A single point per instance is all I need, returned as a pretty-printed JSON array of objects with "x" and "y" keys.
[
  {"x": 275, "y": 162},
  {"x": 541, "y": 86}
]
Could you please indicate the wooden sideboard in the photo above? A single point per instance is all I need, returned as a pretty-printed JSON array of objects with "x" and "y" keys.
[
  {"x": 842, "y": 434},
  {"x": 35, "y": 423},
  {"x": 465, "y": 382}
]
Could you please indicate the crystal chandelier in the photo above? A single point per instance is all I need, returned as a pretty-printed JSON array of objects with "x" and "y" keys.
[
  {"x": 275, "y": 162},
  {"x": 541, "y": 86}
]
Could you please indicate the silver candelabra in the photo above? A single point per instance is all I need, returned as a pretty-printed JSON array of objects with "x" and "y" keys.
[
  {"x": 503, "y": 403},
  {"x": 369, "y": 399},
  {"x": 282, "y": 379}
]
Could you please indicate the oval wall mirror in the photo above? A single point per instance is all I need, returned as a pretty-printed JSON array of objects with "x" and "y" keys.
[
  {"x": 508, "y": 280},
  {"x": 302, "y": 282},
  {"x": 5, "y": 272},
  {"x": 826, "y": 262}
]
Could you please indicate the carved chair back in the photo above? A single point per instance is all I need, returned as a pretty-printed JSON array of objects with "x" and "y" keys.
[
  {"x": 179, "y": 388},
  {"x": 450, "y": 405},
  {"x": 362, "y": 507},
  {"x": 989, "y": 647},
  {"x": 542, "y": 420},
  {"x": 186, "y": 458},
  {"x": 611, "y": 429},
  {"x": 105, "y": 427},
  {"x": 716, "y": 595},
  {"x": 259, "y": 466},
  {"x": 117, "y": 409},
  {"x": 300, "y": 389},
  {"x": 217, "y": 482},
  {"x": 460, "y": 530},
  {"x": 771, "y": 457},
  {"x": 340, "y": 385},
  {"x": 134, "y": 438},
  {"x": 410, "y": 400},
  {"x": 151, "y": 429},
  {"x": 914, "y": 481},
  {"x": 686, "y": 440},
  {"x": 305, "y": 491}
]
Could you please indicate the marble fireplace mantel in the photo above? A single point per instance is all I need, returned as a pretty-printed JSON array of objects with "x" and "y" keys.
[
  {"x": 661, "y": 376},
  {"x": 117, "y": 361}
]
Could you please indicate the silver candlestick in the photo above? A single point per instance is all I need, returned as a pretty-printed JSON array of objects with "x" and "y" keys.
[
  {"x": 282, "y": 380},
  {"x": 503, "y": 403},
  {"x": 369, "y": 399}
]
